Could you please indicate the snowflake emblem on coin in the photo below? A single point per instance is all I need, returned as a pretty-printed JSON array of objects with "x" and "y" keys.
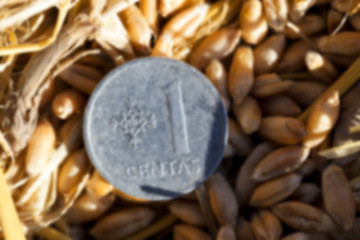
[{"x": 134, "y": 121}]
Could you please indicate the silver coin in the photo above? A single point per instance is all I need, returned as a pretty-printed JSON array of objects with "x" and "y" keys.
[{"x": 155, "y": 128}]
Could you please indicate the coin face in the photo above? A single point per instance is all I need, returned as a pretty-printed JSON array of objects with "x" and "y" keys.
[{"x": 155, "y": 128}]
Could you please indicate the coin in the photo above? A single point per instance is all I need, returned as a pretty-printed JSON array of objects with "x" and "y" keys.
[{"x": 155, "y": 128}]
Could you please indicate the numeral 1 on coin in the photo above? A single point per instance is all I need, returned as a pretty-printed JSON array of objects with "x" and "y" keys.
[{"x": 177, "y": 117}]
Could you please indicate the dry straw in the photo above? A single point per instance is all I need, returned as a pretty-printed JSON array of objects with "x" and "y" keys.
[{"x": 9, "y": 219}]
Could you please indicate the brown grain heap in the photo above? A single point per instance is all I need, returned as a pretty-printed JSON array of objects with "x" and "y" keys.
[{"x": 291, "y": 169}]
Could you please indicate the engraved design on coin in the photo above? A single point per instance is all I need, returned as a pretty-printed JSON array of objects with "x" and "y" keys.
[
  {"x": 179, "y": 133},
  {"x": 134, "y": 121}
]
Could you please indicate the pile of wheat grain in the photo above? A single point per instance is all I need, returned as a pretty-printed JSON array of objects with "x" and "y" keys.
[{"x": 282, "y": 69}]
